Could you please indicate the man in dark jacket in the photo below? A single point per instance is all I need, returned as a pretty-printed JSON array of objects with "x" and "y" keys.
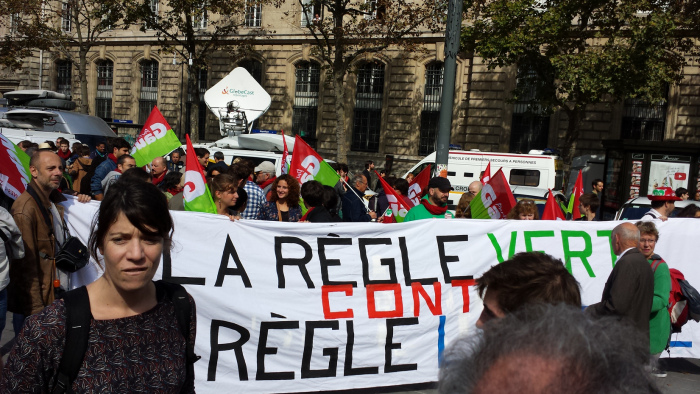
[
  {"x": 629, "y": 291},
  {"x": 119, "y": 147},
  {"x": 354, "y": 209}
]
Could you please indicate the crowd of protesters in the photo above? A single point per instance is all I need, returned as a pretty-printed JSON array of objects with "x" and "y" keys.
[
  {"x": 523, "y": 297},
  {"x": 255, "y": 192}
]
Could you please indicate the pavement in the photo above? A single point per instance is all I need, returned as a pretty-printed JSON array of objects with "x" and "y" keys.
[{"x": 683, "y": 373}]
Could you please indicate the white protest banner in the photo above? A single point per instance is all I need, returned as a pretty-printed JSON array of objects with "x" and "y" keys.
[{"x": 297, "y": 307}]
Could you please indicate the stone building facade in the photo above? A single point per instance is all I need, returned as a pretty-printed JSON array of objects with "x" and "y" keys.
[{"x": 392, "y": 98}]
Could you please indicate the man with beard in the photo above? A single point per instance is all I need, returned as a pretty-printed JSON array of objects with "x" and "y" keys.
[
  {"x": 433, "y": 205},
  {"x": 40, "y": 220}
]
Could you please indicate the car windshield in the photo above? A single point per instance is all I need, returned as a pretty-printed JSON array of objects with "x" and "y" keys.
[{"x": 634, "y": 212}]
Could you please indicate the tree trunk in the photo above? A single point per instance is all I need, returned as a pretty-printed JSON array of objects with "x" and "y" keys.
[
  {"x": 82, "y": 74},
  {"x": 193, "y": 103},
  {"x": 568, "y": 148},
  {"x": 341, "y": 138}
]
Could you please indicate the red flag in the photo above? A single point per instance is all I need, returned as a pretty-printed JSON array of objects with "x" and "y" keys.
[
  {"x": 486, "y": 176},
  {"x": 418, "y": 184},
  {"x": 575, "y": 194},
  {"x": 495, "y": 199},
  {"x": 551, "y": 209},
  {"x": 14, "y": 165},
  {"x": 156, "y": 139},
  {"x": 399, "y": 206},
  {"x": 195, "y": 194},
  {"x": 389, "y": 216},
  {"x": 308, "y": 165},
  {"x": 285, "y": 169}
]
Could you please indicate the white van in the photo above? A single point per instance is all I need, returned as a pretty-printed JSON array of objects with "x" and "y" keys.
[
  {"x": 464, "y": 167},
  {"x": 257, "y": 147}
]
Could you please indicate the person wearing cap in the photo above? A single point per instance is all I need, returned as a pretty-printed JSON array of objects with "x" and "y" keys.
[
  {"x": 662, "y": 203},
  {"x": 264, "y": 176},
  {"x": 433, "y": 205}
]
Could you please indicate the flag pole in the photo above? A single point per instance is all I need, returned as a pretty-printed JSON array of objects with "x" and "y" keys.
[{"x": 366, "y": 204}]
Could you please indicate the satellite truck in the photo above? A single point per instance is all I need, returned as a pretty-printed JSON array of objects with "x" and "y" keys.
[
  {"x": 236, "y": 101},
  {"x": 41, "y": 115}
]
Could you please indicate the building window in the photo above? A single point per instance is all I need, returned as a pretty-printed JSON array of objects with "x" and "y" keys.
[
  {"x": 202, "y": 80},
  {"x": 153, "y": 5},
  {"x": 66, "y": 17},
  {"x": 311, "y": 12},
  {"x": 254, "y": 68},
  {"x": 148, "y": 97},
  {"x": 253, "y": 13},
  {"x": 375, "y": 10},
  {"x": 530, "y": 125},
  {"x": 430, "y": 116},
  {"x": 103, "y": 99},
  {"x": 305, "y": 112},
  {"x": 200, "y": 22},
  {"x": 64, "y": 71},
  {"x": 15, "y": 20},
  {"x": 641, "y": 121},
  {"x": 368, "y": 107}
]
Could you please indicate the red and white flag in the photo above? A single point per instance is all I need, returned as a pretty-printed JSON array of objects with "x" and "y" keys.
[
  {"x": 308, "y": 165},
  {"x": 195, "y": 194},
  {"x": 552, "y": 211},
  {"x": 398, "y": 205},
  {"x": 486, "y": 176},
  {"x": 495, "y": 199},
  {"x": 574, "y": 198},
  {"x": 418, "y": 184}
]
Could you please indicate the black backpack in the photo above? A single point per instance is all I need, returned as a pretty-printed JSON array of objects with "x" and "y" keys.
[{"x": 78, "y": 331}]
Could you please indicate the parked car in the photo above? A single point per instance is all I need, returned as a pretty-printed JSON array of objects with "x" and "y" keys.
[
  {"x": 539, "y": 196},
  {"x": 635, "y": 208}
]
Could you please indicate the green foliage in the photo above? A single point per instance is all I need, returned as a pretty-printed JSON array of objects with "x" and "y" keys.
[{"x": 582, "y": 52}]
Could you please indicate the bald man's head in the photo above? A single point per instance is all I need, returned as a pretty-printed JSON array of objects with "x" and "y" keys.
[
  {"x": 158, "y": 166},
  {"x": 625, "y": 236},
  {"x": 475, "y": 188}
]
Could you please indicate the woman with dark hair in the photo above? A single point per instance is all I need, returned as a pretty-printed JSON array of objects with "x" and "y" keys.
[
  {"x": 171, "y": 184},
  {"x": 331, "y": 202},
  {"x": 691, "y": 211},
  {"x": 313, "y": 194},
  {"x": 462, "y": 210},
  {"x": 524, "y": 210},
  {"x": 134, "y": 340},
  {"x": 284, "y": 201},
  {"x": 136, "y": 174},
  {"x": 224, "y": 192}
]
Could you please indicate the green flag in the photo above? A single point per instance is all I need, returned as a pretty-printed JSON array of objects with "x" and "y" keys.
[{"x": 156, "y": 139}]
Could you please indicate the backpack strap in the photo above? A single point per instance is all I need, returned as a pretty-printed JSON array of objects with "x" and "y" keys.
[
  {"x": 6, "y": 241},
  {"x": 183, "y": 310},
  {"x": 78, "y": 318},
  {"x": 42, "y": 208},
  {"x": 655, "y": 264}
]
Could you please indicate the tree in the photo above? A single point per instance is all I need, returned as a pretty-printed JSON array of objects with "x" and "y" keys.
[
  {"x": 577, "y": 53},
  {"x": 71, "y": 27},
  {"x": 352, "y": 28},
  {"x": 23, "y": 25},
  {"x": 79, "y": 26},
  {"x": 193, "y": 29}
]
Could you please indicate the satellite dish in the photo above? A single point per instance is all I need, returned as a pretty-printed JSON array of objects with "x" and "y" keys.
[{"x": 237, "y": 100}]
